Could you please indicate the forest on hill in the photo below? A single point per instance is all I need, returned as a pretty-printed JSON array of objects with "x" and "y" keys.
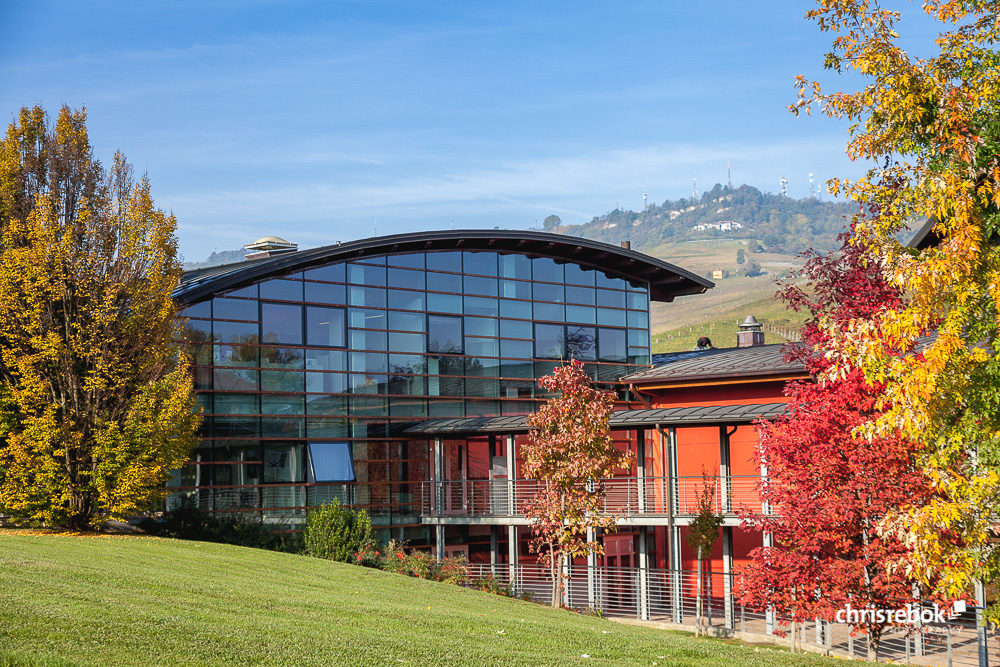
[{"x": 781, "y": 224}]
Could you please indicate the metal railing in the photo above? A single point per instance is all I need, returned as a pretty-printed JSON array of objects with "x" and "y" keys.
[
  {"x": 670, "y": 596},
  {"x": 625, "y": 496}
]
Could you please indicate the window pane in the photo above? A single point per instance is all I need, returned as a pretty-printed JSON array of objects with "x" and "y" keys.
[
  {"x": 407, "y": 363},
  {"x": 284, "y": 463},
  {"x": 281, "y": 324},
  {"x": 281, "y": 357},
  {"x": 325, "y": 326},
  {"x": 638, "y": 319},
  {"x": 576, "y": 275},
  {"x": 282, "y": 405},
  {"x": 581, "y": 343},
  {"x": 612, "y": 345},
  {"x": 481, "y": 286},
  {"x": 549, "y": 341},
  {"x": 404, "y": 278},
  {"x": 477, "y": 305},
  {"x": 404, "y": 300},
  {"x": 480, "y": 326},
  {"x": 250, "y": 291},
  {"x": 520, "y": 349},
  {"x": 610, "y": 281},
  {"x": 609, "y": 317},
  {"x": 335, "y": 273},
  {"x": 236, "y": 332},
  {"x": 235, "y": 309},
  {"x": 292, "y": 381},
  {"x": 326, "y": 293},
  {"x": 326, "y": 360},
  {"x": 515, "y": 289},
  {"x": 365, "y": 274},
  {"x": 373, "y": 297},
  {"x": 638, "y": 338},
  {"x": 543, "y": 268},
  {"x": 444, "y": 303},
  {"x": 444, "y": 261},
  {"x": 284, "y": 290},
  {"x": 554, "y": 312},
  {"x": 401, "y": 342},
  {"x": 241, "y": 379},
  {"x": 326, "y": 383},
  {"x": 481, "y": 263},
  {"x": 368, "y": 340},
  {"x": 515, "y": 266},
  {"x": 369, "y": 362},
  {"x": 444, "y": 334},
  {"x": 367, "y": 319},
  {"x": 237, "y": 355},
  {"x": 412, "y": 260},
  {"x": 444, "y": 282},
  {"x": 549, "y": 293},
  {"x": 519, "y": 309},
  {"x": 581, "y": 295},
  {"x": 481, "y": 347},
  {"x": 581, "y": 314},
  {"x": 610, "y": 298},
  {"x": 406, "y": 321},
  {"x": 636, "y": 300},
  {"x": 236, "y": 404},
  {"x": 326, "y": 405},
  {"x": 331, "y": 461},
  {"x": 515, "y": 329},
  {"x": 203, "y": 309}
]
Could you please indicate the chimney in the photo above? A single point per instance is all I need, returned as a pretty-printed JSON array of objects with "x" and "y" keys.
[
  {"x": 627, "y": 245},
  {"x": 751, "y": 333}
]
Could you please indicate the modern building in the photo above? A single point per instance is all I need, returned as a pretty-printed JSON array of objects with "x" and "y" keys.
[{"x": 395, "y": 374}]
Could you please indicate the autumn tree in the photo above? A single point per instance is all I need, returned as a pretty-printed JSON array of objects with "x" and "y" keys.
[
  {"x": 929, "y": 127},
  {"x": 828, "y": 486},
  {"x": 702, "y": 534},
  {"x": 571, "y": 452},
  {"x": 98, "y": 395}
]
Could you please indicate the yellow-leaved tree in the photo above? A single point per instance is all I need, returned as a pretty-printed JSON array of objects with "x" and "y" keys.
[
  {"x": 97, "y": 399},
  {"x": 930, "y": 127}
]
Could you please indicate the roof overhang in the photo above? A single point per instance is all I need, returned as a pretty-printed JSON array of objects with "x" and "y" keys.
[
  {"x": 621, "y": 420},
  {"x": 666, "y": 281}
]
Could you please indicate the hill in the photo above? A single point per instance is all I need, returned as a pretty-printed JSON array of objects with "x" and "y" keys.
[
  {"x": 114, "y": 600},
  {"x": 777, "y": 223}
]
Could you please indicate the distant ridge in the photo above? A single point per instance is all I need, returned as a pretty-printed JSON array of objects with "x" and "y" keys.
[{"x": 217, "y": 258}]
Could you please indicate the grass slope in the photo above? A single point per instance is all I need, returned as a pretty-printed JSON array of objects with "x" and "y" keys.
[{"x": 134, "y": 600}]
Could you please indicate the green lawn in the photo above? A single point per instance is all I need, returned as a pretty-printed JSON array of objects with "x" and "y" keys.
[{"x": 134, "y": 600}]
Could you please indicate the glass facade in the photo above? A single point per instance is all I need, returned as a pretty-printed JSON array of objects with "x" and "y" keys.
[{"x": 307, "y": 379}]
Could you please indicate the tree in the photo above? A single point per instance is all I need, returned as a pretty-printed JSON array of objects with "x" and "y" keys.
[
  {"x": 930, "y": 127},
  {"x": 741, "y": 256},
  {"x": 552, "y": 223},
  {"x": 572, "y": 453},
  {"x": 828, "y": 487},
  {"x": 703, "y": 534},
  {"x": 99, "y": 395}
]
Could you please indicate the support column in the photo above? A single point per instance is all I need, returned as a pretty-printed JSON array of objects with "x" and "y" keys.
[
  {"x": 727, "y": 577},
  {"x": 494, "y": 550},
  {"x": 512, "y": 500},
  {"x": 725, "y": 478},
  {"x": 643, "y": 593},
  {"x": 437, "y": 493},
  {"x": 591, "y": 572},
  {"x": 676, "y": 576},
  {"x": 640, "y": 470},
  {"x": 440, "y": 541},
  {"x": 984, "y": 658},
  {"x": 673, "y": 532},
  {"x": 512, "y": 555}
]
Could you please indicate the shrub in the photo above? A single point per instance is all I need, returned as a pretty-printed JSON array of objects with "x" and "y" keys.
[
  {"x": 338, "y": 533},
  {"x": 423, "y": 565}
]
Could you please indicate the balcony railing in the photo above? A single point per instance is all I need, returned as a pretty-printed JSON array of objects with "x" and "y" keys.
[{"x": 624, "y": 496}]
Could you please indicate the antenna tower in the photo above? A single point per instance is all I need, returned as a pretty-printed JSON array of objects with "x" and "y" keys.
[
  {"x": 644, "y": 204},
  {"x": 784, "y": 186},
  {"x": 812, "y": 186},
  {"x": 729, "y": 176},
  {"x": 694, "y": 193}
]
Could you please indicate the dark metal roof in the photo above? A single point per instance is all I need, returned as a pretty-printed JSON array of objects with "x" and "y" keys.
[
  {"x": 731, "y": 362},
  {"x": 925, "y": 237},
  {"x": 620, "y": 419},
  {"x": 666, "y": 281}
]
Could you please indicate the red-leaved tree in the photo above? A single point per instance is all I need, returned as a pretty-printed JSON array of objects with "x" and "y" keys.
[
  {"x": 571, "y": 452},
  {"x": 828, "y": 489}
]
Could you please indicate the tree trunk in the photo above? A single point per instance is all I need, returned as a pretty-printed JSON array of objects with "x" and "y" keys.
[
  {"x": 697, "y": 613},
  {"x": 556, "y": 578},
  {"x": 874, "y": 640}
]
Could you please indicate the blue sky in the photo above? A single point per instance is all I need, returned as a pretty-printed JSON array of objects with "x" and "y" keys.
[{"x": 312, "y": 120}]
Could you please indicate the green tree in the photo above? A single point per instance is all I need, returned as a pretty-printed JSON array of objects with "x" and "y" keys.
[
  {"x": 571, "y": 451},
  {"x": 741, "y": 256},
  {"x": 338, "y": 533},
  {"x": 702, "y": 535},
  {"x": 99, "y": 394},
  {"x": 552, "y": 223}
]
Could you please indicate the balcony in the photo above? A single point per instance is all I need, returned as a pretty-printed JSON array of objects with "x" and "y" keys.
[{"x": 629, "y": 498}]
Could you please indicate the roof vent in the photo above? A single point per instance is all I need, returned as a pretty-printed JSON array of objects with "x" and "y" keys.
[
  {"x": 269, "y": 246},
  {"x": 751, "y": 333},
  {"x": 627, "y": 245}
]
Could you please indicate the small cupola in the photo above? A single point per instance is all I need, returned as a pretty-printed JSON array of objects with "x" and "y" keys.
[
  {"x": 751, "y": 333},
  {"x": 269, "y": 246}
]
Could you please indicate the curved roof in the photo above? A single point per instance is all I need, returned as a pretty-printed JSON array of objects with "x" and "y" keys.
[
  {"x": 270, "y": 239},
  {"x": 666, "y": 281}
]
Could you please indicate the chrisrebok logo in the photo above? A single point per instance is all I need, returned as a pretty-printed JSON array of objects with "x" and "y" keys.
[{"x": 909, "y": 614}]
